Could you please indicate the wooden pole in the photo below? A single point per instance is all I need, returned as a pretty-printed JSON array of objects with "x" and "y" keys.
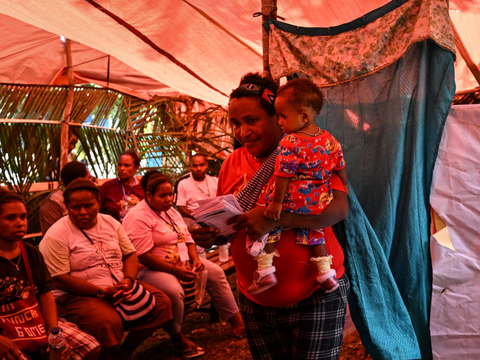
[
  {"x": 129, "y": 125},
  {"x": 187, "y": 120},
  {"x": 64, "y": 134},
  {"x": 269, "y": 10},
  {"x": 465, "y": 54}
]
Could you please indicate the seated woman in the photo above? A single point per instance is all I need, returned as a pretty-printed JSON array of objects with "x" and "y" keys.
[
  {"x": 119, "y": 195},
  {"x": 17, "y": 296},
  {"x": 163, "y": 243},
  {"x": 75, "y": 249}
]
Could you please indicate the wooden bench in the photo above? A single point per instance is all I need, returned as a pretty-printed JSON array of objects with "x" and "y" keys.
[
  {"x": 207, "y": 307},
  {"x": 228, "y": 267}
]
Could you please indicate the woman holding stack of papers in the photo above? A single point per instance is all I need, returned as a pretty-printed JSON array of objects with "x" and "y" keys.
[{"x": 295, "y": 318}]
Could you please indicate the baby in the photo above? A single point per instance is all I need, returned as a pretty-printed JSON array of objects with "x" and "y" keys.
[{"x": 307, "y": 156}]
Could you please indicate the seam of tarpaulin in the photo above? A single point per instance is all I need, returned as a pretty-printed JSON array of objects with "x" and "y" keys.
[{"x": 147, "y": 41}]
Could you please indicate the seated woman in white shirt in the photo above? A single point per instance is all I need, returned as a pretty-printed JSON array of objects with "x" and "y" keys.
[
  {"x": 163, "y": 243},
  {"x": 76, "y": 249}
]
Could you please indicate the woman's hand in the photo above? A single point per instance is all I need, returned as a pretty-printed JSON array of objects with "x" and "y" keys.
[
  {"x": 9, "y": 350},
  {"x": 127, "y": 281},
  {"x": 198, "y": 266},
  {"x": 184, "y": 273},
  {"x": 254, "y": 223},
  {"x": 204, "y": 237},
  {"x": 257, "y": 225},
  {"x": 118, "y": 292}
]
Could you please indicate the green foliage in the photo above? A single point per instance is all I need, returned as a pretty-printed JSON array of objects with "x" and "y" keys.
[
  {"x": 165, "y": 133},
  {"x": 26, "y": 157},
  {"x": 100, "y": 148},
  {"x": 27, "y": 154}
]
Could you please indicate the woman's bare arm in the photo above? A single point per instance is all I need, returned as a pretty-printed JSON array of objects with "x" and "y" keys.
[{"x": 257, "y": 225}]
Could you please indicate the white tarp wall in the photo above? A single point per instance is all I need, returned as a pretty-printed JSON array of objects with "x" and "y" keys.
[{"x": 455, "y": 196}]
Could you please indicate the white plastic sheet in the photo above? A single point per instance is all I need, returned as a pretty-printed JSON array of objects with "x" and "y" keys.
[{"x": 455, "y": 196}]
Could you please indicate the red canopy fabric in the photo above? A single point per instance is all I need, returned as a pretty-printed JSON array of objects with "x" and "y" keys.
[{"x": 169, "y": 47}]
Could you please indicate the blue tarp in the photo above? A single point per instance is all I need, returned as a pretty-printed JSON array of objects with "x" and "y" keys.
[{"x": 390, "y": 125}]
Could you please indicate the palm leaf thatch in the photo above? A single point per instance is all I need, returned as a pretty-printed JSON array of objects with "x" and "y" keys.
[
  {"x": 27, "y": 157},
  {"x": 165, "y": 132}
]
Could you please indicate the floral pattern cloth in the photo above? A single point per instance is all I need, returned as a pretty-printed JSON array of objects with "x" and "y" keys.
[
  {"x": 331, "y": 60},
  {"x": 309, "y": 163}
]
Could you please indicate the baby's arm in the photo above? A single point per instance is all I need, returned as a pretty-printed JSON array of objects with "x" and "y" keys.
[
  {"x": 342, "y": 174},
  {"x": 275, "y": 208}
]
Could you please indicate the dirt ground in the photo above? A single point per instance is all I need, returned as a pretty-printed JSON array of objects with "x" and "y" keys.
[{"x": 219, "y": 344}]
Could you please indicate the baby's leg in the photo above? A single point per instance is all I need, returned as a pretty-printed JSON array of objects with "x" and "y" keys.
[
  {"x": 264, "y": 278},
  {"x": 319, "y": 250},
  {"x": 326, "y": 275},
  {"x": 269, "y": 247}
]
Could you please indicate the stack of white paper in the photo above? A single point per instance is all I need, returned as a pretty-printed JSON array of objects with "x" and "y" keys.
[{"x": 214, "y": 212}]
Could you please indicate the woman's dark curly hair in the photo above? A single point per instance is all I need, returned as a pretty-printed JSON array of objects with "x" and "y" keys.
[
  {"x": 152, "y": 179},
  {"x": 7, "y": 197},
  {"x": 261, "y": 82},
  {"x": 133, "y": 155},
  {"x": 79, "y": 185}
]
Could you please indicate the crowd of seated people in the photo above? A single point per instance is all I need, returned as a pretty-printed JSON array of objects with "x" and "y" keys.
[{"x": 88, "y": 263}]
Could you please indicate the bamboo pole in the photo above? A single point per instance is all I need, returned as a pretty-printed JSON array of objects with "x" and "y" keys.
[
  {"x": 465, "y": 54},
  {"x": 269, "y": 10},
  {"x": 64, "y": 134},
  {"x": 464, "y": 92}
]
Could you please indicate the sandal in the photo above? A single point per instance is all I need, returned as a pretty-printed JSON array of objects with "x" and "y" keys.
[{"x": 193, "y": 353}]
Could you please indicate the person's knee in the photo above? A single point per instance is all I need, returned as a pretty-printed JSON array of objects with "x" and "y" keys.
[
  {"x": 215, "y": 272},
  {"x": 112, "y": 326},
  {"x": 162, "y": 298},
  {"x": 107, "y": 328},
  {"x": 170, "y": 286},
  {"x": 94, "y": 354}
]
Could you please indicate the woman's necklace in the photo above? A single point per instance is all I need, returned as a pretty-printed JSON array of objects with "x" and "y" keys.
[
  {"x": 307, "y": 133},
  {"x": 199, "y": 188},
  {"x": 11, "y": 262},
  {"x": 257, "y": 158}
]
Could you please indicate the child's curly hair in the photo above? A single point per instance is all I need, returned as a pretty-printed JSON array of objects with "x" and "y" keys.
[{"x": 302, "y": 93}]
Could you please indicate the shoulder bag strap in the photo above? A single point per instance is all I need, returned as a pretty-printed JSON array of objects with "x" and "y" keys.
[
  {"x": 103, "y": 255},
  {"x": 27, "y": 267},
  {"x": 250, "y": 193}
]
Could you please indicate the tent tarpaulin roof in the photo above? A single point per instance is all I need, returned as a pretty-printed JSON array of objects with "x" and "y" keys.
[{"x": 169, "y": 47}]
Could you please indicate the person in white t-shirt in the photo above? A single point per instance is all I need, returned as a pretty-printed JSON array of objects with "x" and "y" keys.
[
  {"x": 82, "y": 251},
  {"x": 194, "y": 186}
]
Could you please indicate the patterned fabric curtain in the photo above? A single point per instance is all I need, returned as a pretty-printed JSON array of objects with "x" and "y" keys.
[{"x": 388, "y": 87}]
